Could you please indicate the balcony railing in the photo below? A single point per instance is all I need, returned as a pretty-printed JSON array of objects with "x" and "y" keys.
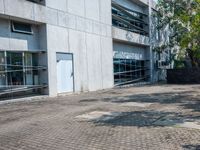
[{"x": 128, "y": 19}]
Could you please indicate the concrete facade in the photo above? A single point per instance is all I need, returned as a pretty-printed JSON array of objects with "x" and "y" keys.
[{"x": 79, "y": 27}]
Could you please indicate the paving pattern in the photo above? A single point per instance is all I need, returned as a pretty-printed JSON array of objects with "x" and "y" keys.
[{"x": 159, "y": 117}]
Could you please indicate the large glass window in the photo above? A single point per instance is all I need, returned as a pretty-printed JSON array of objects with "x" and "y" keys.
[
  {"x": 15, "y": 68},
  {"x": 20, "y": 72},
  {"x": 127, "y": 71},
  {"x": 2, "y": 70},
  {"x": 28, "y": 69}
]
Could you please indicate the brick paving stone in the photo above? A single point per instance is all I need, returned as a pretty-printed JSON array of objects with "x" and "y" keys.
[{"x": 52, "y": 123}]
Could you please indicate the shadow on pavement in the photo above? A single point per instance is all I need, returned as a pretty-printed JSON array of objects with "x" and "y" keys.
[
  {"x": 185, "y": 99},
  {"x": 151, "y": 118},
  {"x": 146, "y": 119},
  {"x": 163, "y": 98},
  {"x": 191, "y": 147},
  {"x": 142, "y": 119}
]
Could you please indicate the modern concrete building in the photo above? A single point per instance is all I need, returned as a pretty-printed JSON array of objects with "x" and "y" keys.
[{"x": 66, "y": 46}]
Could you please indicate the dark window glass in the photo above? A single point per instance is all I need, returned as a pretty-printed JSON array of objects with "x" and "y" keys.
[
  {"x": 15, "y": 68},
  {"x": 127, "y": 71},
  {"x": 2, "y": 73},
  {"x": 2, "y": 61},
  {"x": 37, "y": 1},
  {"x": 22, "y": 28}
]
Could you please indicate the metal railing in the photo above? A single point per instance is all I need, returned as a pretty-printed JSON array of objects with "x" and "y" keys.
[{"x": 128, "y": 19}]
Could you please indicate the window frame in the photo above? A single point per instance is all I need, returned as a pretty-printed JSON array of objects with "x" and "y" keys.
[
  {"x": 13, "y": 29},
  {"x": 42, "y": 2}
]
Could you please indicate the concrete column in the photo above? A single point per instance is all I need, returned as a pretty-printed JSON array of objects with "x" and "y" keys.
[{"x": 150, "y": 42}]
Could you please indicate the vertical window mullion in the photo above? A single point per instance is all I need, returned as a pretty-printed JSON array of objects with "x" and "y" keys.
[{"x": 24, "y": 69}]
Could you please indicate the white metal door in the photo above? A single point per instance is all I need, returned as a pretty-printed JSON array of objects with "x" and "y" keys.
[{"x": 64, "y": 75}]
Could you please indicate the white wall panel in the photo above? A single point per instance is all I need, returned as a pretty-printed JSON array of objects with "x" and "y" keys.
[
  {"x": 88, "y": 25},
  {"x": 60, "y": 5},
  {"x": 107, "y": 62},
  {"x": 94, "y": 62},
  {"x": 19, "y": 8},
  {"x": 76, "y": 7},
  {"x": 96, "y": 28},
  {"x": 51, "y": 16},
  {"x": 78, "y": 48},
  {"x": 80, "y": 23},
  {"x": 71, "y": 21},
  {"x": 105, "y": 11},
  {"x": 62, "y": 19},
  {"x": 4, "y": 43},
  {"x": 1, "y": 6},
  {"x": 40, "y": 13},
  {"x": 92, "y": 9},
  {"x": 57, "y": 38}
]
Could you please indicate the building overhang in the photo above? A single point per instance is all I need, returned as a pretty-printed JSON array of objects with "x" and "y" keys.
[
  {"x": 145, "y": 3},
  {"x": 130, "y": 37}
]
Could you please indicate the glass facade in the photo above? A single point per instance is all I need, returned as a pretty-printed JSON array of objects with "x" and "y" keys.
[
  {"x": 130, "y": 20},
  {"x": 130, "y": 65},
  {"x": 128, "y": 71},
  {"x": 14, "y": 69},
  {"x": 19, "y": 72},
  {"x": 2, "y": 70}
]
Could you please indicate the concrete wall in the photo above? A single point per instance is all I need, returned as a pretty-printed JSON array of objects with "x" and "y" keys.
[
  {"x": 25, "y": 42},
  {"x": 124, "y": 50},
  {"x": 80, "y": 27},
  {"x": 127, "y": 36},
  {"x": 84, "y": 29},
  {"x": 17, "y": 41}
]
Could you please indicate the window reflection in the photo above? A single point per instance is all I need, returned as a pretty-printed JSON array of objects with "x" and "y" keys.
[
  {"x": 19, "y": 69},
  {"x": 127, "y": 71},
  {"x": 2, "y": 70}
]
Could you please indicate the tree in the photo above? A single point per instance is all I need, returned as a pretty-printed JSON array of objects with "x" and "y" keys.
[{"x": 182, "y": 18}]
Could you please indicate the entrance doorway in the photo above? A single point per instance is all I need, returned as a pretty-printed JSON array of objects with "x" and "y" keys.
[{"x": 65, "y": 73}]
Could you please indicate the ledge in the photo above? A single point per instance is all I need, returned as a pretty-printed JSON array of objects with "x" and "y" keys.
[
  {"x": 25, "y": 10},
  {"x": 146, "y": 2},
  {"x": 127, "y": 36}
]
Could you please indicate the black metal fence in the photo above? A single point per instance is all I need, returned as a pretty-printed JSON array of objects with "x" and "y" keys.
[{"x": 183, "y": 76}]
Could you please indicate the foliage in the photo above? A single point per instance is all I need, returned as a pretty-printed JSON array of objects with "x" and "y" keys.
[
  {"x": 182, "y": 19},
  {"x": 178, "y": 64}
]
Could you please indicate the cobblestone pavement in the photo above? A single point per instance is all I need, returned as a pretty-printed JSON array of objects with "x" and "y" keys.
[{"x": 160, "y": 117}]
